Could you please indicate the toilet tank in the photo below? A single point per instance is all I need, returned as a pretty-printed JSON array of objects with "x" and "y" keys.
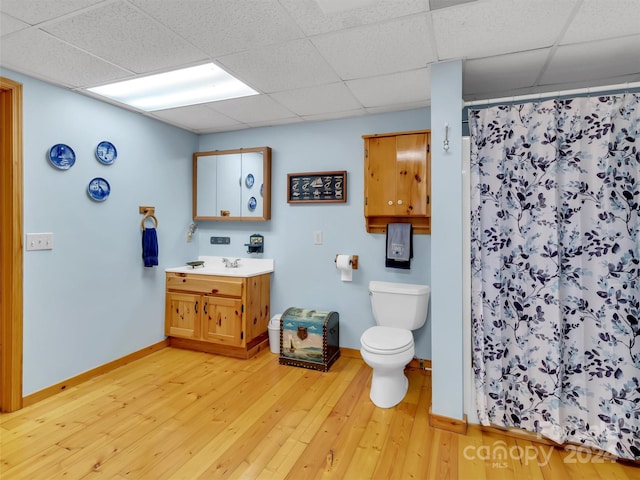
[{"x": 401, "y": 305}]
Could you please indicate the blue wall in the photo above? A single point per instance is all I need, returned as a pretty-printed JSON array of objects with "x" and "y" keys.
[
  {"x": 305, "y": 274},
  {"x": 90, "y": 301},
  {"x": 446, "y": 240}
]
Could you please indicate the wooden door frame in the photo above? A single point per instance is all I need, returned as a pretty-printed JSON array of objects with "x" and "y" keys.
[{"x": 11, "y": 250}]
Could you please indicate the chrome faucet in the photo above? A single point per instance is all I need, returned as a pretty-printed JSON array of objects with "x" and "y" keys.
[{"x": 231, "y": 263}]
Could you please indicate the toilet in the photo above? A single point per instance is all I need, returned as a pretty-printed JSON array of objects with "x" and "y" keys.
[{"x": 398, "y": 309}]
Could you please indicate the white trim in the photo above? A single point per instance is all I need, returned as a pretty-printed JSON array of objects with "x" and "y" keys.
[{"x": 537, "y": 96}]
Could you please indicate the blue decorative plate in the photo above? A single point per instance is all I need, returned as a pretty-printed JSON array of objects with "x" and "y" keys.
[
  {"x": 106, "y": 152},
  {"x": 249, "y": 181},
  {"x": 62, "y": 156},
  {"x": 253, "y": 203},
  {"x": 99, "y": 189}
]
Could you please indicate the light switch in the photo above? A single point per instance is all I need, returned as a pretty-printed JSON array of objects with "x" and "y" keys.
[
  {"x": 317, "y": 237},
  {"x": 39, "y": 241}
]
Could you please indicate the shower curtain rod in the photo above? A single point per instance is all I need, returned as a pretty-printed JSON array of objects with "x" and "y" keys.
[{"x": 537, "y": 96}]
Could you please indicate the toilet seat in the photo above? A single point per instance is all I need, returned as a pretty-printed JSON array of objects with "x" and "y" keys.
[{"x": 386, "y": 340}]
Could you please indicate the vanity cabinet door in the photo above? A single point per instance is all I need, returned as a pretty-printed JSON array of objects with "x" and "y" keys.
[
  {"x": 223, "y": 320},
  {"x": 183, "y": 315}
]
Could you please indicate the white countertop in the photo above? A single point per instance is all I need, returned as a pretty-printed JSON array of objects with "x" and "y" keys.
[{"x": 247, "y": 267}]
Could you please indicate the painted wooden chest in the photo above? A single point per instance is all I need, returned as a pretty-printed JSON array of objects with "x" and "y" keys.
[{"x": 309, "y": 338}]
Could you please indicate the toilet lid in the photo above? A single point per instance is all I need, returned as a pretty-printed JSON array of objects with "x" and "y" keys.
[{"x": 387, "y": 340}]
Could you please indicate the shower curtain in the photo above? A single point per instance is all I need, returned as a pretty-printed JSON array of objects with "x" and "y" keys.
[{"x": 555, "y": 261}]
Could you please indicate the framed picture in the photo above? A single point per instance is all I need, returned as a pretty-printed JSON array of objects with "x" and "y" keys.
[{"x": 317, "y": 187}]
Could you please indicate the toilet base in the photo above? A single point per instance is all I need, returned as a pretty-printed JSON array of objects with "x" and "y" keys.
[
  {"x": 388, "y": 388},
  {"x": 389, "y": 384}
]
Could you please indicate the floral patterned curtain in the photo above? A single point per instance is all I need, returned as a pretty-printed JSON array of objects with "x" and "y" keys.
[{"x": 555, "y": 247}]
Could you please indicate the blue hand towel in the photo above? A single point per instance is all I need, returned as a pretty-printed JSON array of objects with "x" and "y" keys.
[
  {"x": 399, "y": 245},
  {"x": 149, "y": 247}
]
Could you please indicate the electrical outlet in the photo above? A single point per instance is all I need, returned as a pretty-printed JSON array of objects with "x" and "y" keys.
[
  {"x": 39, "y": 241},
  {"x": 220, "y": 240},
  {"x": 317, "y": 237}
]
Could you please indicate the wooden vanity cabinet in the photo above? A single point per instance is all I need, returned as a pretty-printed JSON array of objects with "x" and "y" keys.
[
  {"x": 217, "y": 314},
  {"x": 397, "y": 187}
]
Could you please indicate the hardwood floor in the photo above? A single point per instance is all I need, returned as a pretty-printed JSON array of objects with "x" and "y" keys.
[{"x": 179, "y": 414}]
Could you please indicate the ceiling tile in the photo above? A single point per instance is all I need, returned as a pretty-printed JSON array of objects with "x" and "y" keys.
[
  {"x": 123, "y": 35},
  {"x": 399, "y": 107},
  {"x": 574, "y": 63},
  {"x": 196, "y": 117},
  {"x": 309, "y": 55},
  {"x": 590, "y": 23},
  {"x": 335, "y": 115},
  {"x": 334, "y": 97},
  {"x": 438, "y": 4},
  {"x": 221, "y": 27},
  {"x": 36, "y": 53},
  {"x": 334, "y": 6},
  {"x": 280, "y": 67},
  {"x": 278, "y": 121},
  {"x": 496, "y": 27},
  {"x": 503, "y": 73},
  {"x": 38, "y": 11},
  {"x": 8, "y": 24},
  {"x": 313, "y": 20},
  {"x": 405, "y": 87},
  {"x": 252, "y": 109},
  {"x": 378, "y": 49}
]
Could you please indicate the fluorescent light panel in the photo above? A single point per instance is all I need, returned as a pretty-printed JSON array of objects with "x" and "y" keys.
[{"x": 179, "y": 88}]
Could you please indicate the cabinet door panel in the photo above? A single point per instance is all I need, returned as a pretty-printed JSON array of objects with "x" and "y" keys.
[
  {"x": 223, "y": 320},
  {"x": 411, "y": 152},
  {"x": 183, "y": 315},
  {"x": 381, "y": 176}
]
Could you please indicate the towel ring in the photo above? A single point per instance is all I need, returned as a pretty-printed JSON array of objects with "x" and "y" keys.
[{"x": 151, "y": 216}]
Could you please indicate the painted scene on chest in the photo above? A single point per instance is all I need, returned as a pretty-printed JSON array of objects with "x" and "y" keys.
[{"x": 302, "y": 334}]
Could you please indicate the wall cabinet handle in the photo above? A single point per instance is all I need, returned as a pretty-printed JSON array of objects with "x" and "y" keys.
[
  {"x": 390, "y": 202},
  {"x": 399, "y": 202}
]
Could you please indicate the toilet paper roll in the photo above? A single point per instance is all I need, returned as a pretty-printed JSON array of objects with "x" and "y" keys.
[{"x": 343, "y": 263}]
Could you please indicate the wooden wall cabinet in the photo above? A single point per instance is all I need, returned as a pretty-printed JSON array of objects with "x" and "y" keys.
[
  {"x": 397, "y": 186},
  {"x": 218, "y": 314}
]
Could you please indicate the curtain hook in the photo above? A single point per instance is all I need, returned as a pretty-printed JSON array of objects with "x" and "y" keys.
[{"x": 445, "y": 143}]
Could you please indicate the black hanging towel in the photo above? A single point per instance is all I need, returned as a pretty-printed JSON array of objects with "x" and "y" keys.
[
  {"x": 149, "y": 247},
  {"x": 399, "y": 245}
]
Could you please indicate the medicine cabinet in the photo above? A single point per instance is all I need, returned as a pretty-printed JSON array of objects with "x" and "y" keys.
[{"x": 232, "y": 185}]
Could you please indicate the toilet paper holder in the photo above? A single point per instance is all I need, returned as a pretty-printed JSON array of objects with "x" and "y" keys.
[{"x": 353, "y": 261}]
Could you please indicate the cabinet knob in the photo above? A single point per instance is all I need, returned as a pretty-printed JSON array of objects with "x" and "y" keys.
[
  {"x": 399, "y": 202},
  {"x": 390, "y": 202}
]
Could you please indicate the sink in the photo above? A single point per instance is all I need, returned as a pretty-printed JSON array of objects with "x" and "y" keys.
[{"x": 247, "y": 267}]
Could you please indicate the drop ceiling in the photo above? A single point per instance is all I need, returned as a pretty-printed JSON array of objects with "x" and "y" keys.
[{"x": 324, "y": 59}]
